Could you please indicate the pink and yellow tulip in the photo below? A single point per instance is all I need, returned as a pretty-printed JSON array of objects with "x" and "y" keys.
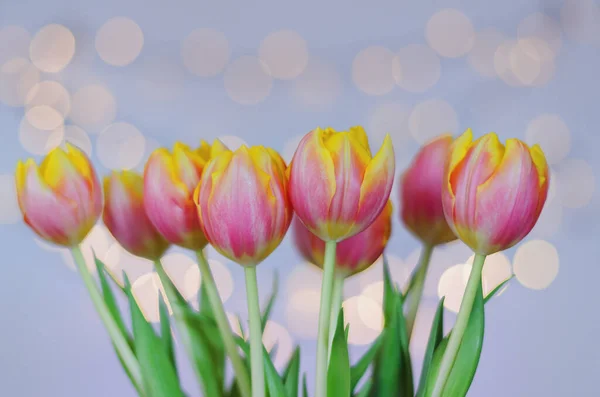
[
  {"x": 170, "y": 179},
  {"x": 61, "y": 200},
  {"x": 125, "y": 217},
  {"x": 352, "y": 255},
  {"x": 243, "y": 203},
  {"x": 493, "y": 194},
  {"x": 421, "y": 194},
  {"x": 337, "y": 188}
]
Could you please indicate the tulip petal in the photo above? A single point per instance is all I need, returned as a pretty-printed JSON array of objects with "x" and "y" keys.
[
  {"x": 376, "y": 185},
  {"x": 359, "y": 135},
  {"x": 478, "y": 164},
  {"x": 507, "y": 203},
  {"x": 312, "y": 180},
  {"x": 350, "y": 161},
  {"x": 188, "y": 165}
]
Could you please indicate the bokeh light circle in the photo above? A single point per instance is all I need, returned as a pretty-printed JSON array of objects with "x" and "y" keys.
[
  {"x": 372, "y": 70},
  {"x": 52, "y": 48},
  {"x": 285, "y": 52},
  {"x": 450, "y": 33},
  {"x": 536, "y": 264},
  {"x": 119, "y": 41}
]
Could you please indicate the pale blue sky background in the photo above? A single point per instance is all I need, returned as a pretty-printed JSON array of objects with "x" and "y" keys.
[{"x": 538, "y": 342}]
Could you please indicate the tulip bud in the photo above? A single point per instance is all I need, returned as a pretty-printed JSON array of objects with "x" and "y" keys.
[
  {"x": 336, "y": 187},
  {"x": 493, "y": 195},
  {"x": 243, "y": 203},
  {"x": 169, "y": 183},
  {"x": 125, "y": 217},
  {"x": 352, "y": 255},
  {"x": 421, "y": 193},
  {"x": 62, "y": 199}
]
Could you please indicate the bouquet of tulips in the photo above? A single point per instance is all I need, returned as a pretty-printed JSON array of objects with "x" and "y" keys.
[{"x": 242, "y": 202}]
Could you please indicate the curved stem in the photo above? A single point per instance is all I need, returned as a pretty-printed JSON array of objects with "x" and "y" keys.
[
  {"x": 208, "y": 282},
  {"x": 416, "y": 289},
  {"x": 324, "y": 319},
  {"x": 120, "y": 342},
  {"x": 256, "y": 346},
  {"x": 336, "y": 304},
  {"x": 460, "y": 326}
]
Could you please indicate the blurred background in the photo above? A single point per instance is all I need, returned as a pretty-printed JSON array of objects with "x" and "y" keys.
[{"x": 121, "y": 78}]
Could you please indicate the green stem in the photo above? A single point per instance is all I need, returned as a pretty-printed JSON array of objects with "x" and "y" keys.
[
  {"x": 208, "y": 282},
  {"x": 256, "y": 346},
  {"x": 460, "y": 326},
  {"x": 416, "y": 289},
  {"x": 324, "y": 319},
  {"x": 336, "y": 304},
  {"x": 117, "y": 337}
]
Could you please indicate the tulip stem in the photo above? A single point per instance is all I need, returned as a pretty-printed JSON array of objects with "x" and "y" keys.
[
  {"x": 324, "y": 319},
  {"x": 415, "y": 291},
  {"x": 119, "y": 340},
  {"x": 336, "y": 303},
  {"x": 256, "y": 346},
  {"x": 208, "y": 282},
  {"x": 460, "y": 326}
]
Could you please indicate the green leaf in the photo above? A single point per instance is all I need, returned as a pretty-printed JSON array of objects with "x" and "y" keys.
[
  {"x": 110, "y": 300},
  {"x": 291, "y": 374},
  {"x": 338, "y": 373},
  {"x": 462, "y": 373},
  {"x": 192, "y": 329},
  {"x": 435, "y": 337},
  {"x": 270, "y": 303},
  {"x": 165, "y": 330},
  {"x": 160, "y": 378},
  {"x": 389, "y": 292},
  {"x": 111, "y": 303},
  {"x": 360, "y": 368},
  {"x": 304, "y": 386},
  {"x": 392, "y": 370},
  {"x": 275, "y": 385},
  {"x": 366, "y": 389},
  {"x": 497, "y": 289}
]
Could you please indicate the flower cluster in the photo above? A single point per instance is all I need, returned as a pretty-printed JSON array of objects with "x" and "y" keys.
[{"x": 336, "y": 193}]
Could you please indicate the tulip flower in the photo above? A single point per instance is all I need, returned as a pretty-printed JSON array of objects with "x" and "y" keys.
[
  {"x": 125, "y": 217},
  {"x": 493, "y": 194},
  {"x": 245, "y": 212},
  {"x": 61, "y": 200},
  {"x": 492, "y": 197},
  {"x": 423, "y": 214},
  {"x": 421, "y": 194},
  {"x": 243, "y": 204},
  {"x": 354, "y": 254},
  {"x": 169, "y": 182},
  {"x": 337, "y": 187}
]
